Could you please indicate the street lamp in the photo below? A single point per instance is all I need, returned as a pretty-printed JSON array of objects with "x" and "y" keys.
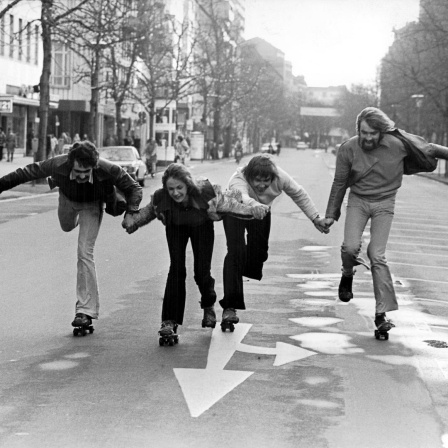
[{"x": 418, "y": 103}]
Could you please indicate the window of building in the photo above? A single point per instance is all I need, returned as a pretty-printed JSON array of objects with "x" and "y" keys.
[
  {"x": 2, "y": 36},
  {"x": 60, "y": 65},
  {"x": 11, "y": 36},
  {"x": 36, "y": 44},
  {"x": 28, "y": 43},
  {"x": 162, "y": 115},
  {"x": 20, "y": 40}
]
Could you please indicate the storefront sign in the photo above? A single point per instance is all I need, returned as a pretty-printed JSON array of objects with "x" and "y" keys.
[{"x": 5, "y": 105}]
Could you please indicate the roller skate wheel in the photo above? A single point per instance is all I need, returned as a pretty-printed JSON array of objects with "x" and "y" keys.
[{"x": 75, "y": 332}]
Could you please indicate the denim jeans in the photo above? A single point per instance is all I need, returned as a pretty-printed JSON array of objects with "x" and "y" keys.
[
  {"x": 88, "y": 215},
  {"x": 243, "y": 258},
  {"x": 381, "y": 214},
  {"x": 202, "y": 239}
]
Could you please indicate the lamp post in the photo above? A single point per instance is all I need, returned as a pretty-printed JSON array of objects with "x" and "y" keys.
[{"x": 418, "y": 103}]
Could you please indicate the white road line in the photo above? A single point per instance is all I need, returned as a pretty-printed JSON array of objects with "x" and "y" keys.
[
  {"x": 15, "y": 214},
  {"x": 21, "y": 198},
  {"x": 424, "y": 280},
  {"x": 415, "y": 244},
  {"x": 417, "y": 237},
  {"x": 419, "y": 254},
  {"x": 418, "y": 265},
  {"x": 419, "y": 231}
]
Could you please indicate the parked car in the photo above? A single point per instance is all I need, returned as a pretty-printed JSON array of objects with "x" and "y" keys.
[
  {"x": 302, "y": 145},
  {"x": 265, "y": 148},
  {"x": 128, "y": 158}
]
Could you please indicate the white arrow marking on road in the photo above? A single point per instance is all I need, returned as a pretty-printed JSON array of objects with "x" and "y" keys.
[
  {"x": 202, "y": 388},
  {"x": 284, "y": 353}
]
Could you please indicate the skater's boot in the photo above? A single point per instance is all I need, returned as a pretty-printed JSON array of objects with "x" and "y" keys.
[
  {"x": 382, "y": 323},
  {"x": 345, "y": 289},
  {"x": 168, "y": 328},
  {"x": 209, "y": 319},
  {"x": 82, "y": 320},
  {"x": 229, "y": 315}
]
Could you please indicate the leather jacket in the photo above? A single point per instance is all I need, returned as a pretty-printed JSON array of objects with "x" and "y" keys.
[{"x": 106, "y": 175}]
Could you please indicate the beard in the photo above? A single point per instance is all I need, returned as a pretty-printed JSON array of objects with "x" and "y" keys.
[{"x": 368, "y": 145}]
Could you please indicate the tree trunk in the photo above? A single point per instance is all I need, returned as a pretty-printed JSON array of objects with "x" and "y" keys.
[
  {"x": 120, "y": 137},
  {"x": 44, "y": 102},
  {"x": 95, "y": 97}
]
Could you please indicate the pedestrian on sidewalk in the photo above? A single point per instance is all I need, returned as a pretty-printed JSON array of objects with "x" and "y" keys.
[
  {"x": 372, "y": 165},
  {"x": 182, "y": 150},
  {"x": 11, "y": 143},
  {"x": 86, "y": 183},
  {"x": 188, "y": 209},
  {"x": 261, "y": 181},
  {"x": 151, "y": 156},
  {"x": 2, "y": 142}
]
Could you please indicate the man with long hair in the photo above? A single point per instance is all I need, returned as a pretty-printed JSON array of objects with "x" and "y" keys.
[
  {"x": 372, "y": 165},
  {"x": 86, "y": 183}
]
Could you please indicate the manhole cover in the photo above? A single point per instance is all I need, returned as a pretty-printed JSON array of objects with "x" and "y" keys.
[{"x": 437, "y": 344}]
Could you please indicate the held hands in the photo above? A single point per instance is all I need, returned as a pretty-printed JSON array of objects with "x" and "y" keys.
[
  {"x": 320, "y": 224},
  {"x": 328, "y": 222},
  {"x": 129, "y": 223},
  {"x": 260, "y": 211}
]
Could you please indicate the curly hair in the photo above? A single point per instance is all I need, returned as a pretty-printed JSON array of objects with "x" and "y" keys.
[
  {"x": 85, "y": 153},
  {"x": 260, "y": 166},
  {"x": 375, "y": 118},
  {"x": 180, "y": 172}
]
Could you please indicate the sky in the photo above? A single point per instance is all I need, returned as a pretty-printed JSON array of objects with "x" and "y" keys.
[{"x": 330, "y": 42}]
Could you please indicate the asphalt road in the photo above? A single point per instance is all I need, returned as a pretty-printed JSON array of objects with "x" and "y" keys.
[{"x": 301, "y": 369}]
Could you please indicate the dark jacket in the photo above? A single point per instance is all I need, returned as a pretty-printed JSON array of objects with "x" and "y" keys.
[
  {"x": 106, "y": 176},
  {"x": 419, "y": 158}
]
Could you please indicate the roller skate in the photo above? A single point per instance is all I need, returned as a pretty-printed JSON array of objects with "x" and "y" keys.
[
  {"x": 209, "y": 319},
  {"x": 345, "y": 289},
  {"x": 168, "y": 333},
  {"x": 82, "y": 324},
  {"x": 383, "y": 326},
  {"x": 229, "y": 319}
]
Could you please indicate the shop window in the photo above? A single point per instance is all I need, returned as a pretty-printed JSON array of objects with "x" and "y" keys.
[{"x": 162, "y": 138}]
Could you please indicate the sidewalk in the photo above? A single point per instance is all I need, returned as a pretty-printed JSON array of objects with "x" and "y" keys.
[{"x": 27, "y": 189}]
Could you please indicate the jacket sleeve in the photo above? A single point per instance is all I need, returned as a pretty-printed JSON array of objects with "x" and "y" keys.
[
  {"x": 298, "y": 194},
  {"x": 39, "y": 170},
  {"x": 229, "y": 202},
  {"x": 239, "y": 183},
  {"x": 340, "y": 183},
  {"x": 145, "y": 215},
  {"x": 128, "y": 186}
]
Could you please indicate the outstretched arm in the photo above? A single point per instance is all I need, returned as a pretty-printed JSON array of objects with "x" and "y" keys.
[{"x": 145, "y": 215}]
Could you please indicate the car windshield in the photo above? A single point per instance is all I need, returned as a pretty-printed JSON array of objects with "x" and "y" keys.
[{"x": 118, "y": 154}]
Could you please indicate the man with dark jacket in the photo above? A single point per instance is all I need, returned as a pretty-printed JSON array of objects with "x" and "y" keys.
[
  {"x": 85, "y": 183},
  {"x": 372, "y": 165}
]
